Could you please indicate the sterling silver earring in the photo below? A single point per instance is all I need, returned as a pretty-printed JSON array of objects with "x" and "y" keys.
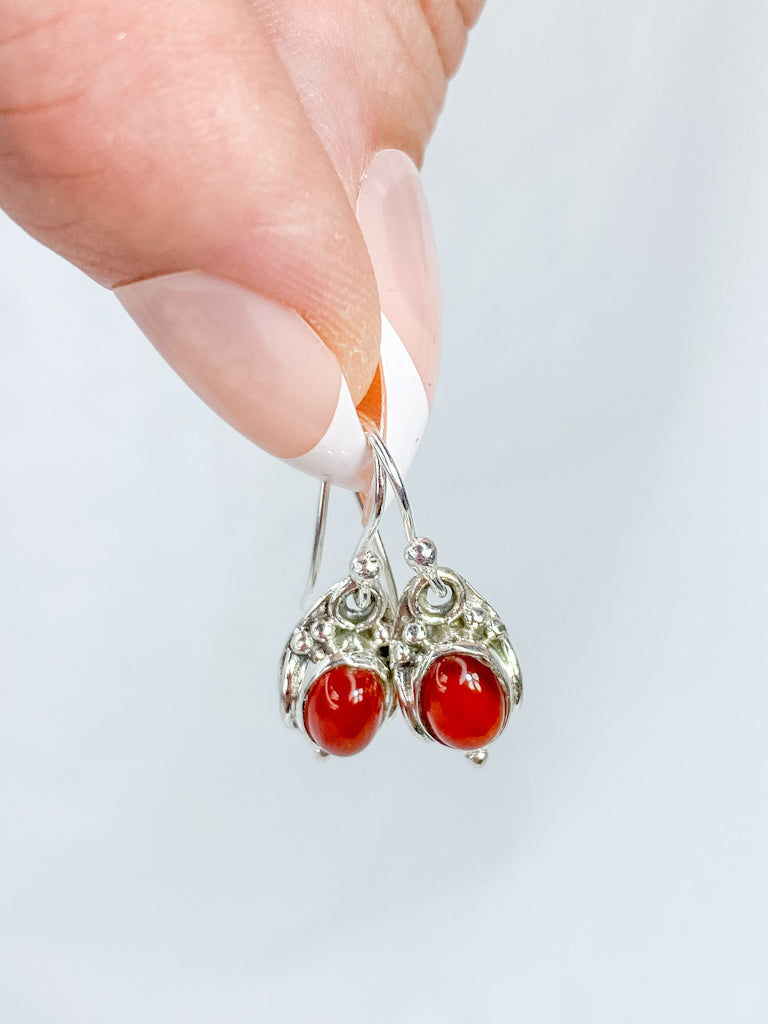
[
  {"x": 335, "y": 683},
  {"x": 440, "y": 651},
  {"x": 457, "y": 676}
]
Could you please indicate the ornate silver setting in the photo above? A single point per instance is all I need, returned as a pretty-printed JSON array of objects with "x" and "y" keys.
[
  {"x": 359, "y": 622},
  {"x": 350, "y": 625},
  {"x": 460, "y": 622}
]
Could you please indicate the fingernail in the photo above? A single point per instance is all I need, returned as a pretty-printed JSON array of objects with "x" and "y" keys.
[
  {"x": 394, "y": 219},
  {"x": 259, "y": 365}
]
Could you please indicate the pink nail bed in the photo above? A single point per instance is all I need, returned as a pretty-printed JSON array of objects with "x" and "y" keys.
[
  {"x": 393, "y": 216},
  {"x": 260, "y": 366},
  {"x": 263, "y": 369}
]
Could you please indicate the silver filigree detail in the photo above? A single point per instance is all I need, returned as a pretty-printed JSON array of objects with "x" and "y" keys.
[
  {"x": 353, "y": 645},
  {"x": 300, "y": 642},
  {"x": 475, "y": 614},
  {"x": 381, "y": 634},
  {"x": 400, "y": 653},
  {"x": 463, "y": 622},
  {"x": 336, "y": 631}
]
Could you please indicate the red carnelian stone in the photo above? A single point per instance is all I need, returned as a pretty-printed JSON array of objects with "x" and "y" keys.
[
  {"x": 462, "y": 702},
  {"x": 343, "y": 709}
]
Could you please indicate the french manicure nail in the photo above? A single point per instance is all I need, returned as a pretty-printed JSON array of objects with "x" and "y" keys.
[
  {"x": 259, "y": 365},
  {"x": 394, "y": 219}
]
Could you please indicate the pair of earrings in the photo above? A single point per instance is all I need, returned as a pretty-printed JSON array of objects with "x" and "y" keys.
[{"x": 439, "y": 651}]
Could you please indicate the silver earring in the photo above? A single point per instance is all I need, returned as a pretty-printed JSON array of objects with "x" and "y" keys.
[
  {"x": 335, "y": 683},
  {"x": 457, "y": 676}
]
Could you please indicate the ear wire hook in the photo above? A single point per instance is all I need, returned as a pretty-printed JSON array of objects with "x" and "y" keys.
[
  {"x": 417, "y": 546},
  {"x": 372, "y": 512},
  {"x": 373, "y": 507},
  {"x": 318, "y": 543},
  {"x": 383, "y": 458}
]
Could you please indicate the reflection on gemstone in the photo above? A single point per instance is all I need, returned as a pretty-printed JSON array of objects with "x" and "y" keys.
[
  {"x": 462, "y": 702},
  {"x": 343, "y": 709}
]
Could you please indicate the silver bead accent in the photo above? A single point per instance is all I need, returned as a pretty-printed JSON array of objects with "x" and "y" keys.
[
  {"x": 474, "y": 615},
  {"x": 300, "y": 642},
  {"x": 322, "y": 629},
  {"x": 452, "y": 627},
  {"x": 334, "y": 632},
  {"x": 414, "y": 634},
  {"x": 365, "y": 566},
  {"x": 495, "y": 628},
  {"x": 421, "y": 554}
]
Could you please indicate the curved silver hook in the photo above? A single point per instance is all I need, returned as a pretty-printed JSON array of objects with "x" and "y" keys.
[
  {"x": 383, "y": 458},
  {"x": 372, "y": 512},
  {"x": 318, "y": 542},
  {"x": 373, "y": 507}
]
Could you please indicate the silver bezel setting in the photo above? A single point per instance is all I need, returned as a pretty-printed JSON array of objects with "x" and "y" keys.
[
  {"x": 466, "y": 625},
  {"x": 337, "y": 632}
]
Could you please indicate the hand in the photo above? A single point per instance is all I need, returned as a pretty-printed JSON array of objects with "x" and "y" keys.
[{"x": 214, "y": 152}]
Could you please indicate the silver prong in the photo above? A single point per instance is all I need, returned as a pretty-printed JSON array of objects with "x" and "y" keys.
[
  {"x": 478, "y": 757},
  {"x": 321, "y": 754}
]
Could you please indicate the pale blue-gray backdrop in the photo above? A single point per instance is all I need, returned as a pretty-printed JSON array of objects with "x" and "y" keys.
[{"x": 596, "y": 463}]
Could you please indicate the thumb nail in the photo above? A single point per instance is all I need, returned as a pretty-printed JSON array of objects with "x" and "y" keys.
[
  {"x": 259, "y": 365},
  {"x": 394, "y": 219}
]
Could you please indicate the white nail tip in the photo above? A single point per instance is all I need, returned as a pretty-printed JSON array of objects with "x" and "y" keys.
[
  {"x": 341, "y": 456},
  {"x": 407, "y": 409}
]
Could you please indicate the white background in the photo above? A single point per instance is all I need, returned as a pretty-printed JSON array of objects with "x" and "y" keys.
[{"x": 595, "y": 463}]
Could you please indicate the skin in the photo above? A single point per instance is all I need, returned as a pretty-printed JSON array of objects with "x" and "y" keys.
[{"x": 228, "y": 136}]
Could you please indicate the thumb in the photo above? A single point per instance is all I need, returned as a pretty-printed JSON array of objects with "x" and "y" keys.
[{"x": 165, "y": 144}]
